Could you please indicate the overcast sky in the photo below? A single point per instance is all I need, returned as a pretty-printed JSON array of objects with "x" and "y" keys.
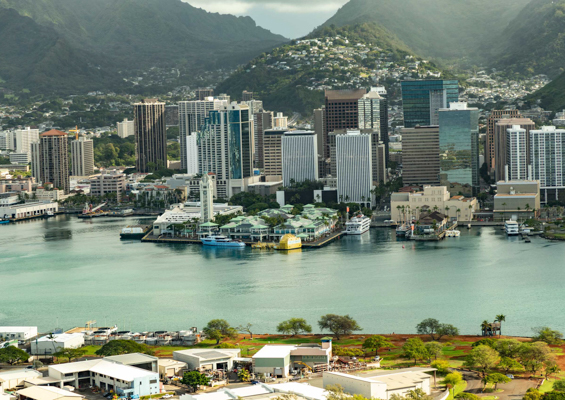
[{"x": 291, "y": 18}]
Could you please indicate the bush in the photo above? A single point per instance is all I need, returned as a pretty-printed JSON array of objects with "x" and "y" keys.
[
  {"x": 226, "y": 346},
  {"x": 347, "y": 351},
  {"x": 486, "y": 342},
  {"x": 442, "y": 366}
]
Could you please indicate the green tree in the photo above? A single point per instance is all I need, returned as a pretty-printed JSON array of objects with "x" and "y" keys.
[
  {"x": 559, "y": 385},
  {"x": 547, "y": 335},
  {"x": 117, "y": 347},
  {"x": 507, "y": 347},
  {"x": 244, "y": 375},
  {"x": 12, "y": 355},
  {"x": 246, "y": 329},
  {"x": 497, "y": 378},
  {"x": 508, "y": 364},
  {"x": 466, "y": 396},
  {"x": 451, "y": 380},
  {"x": 532, "y": 394},
  {"x": 376, "y": 343},
  {"x": 194, "y": 379},
  {"x": 70, "y": 354},
  {"x": 435, "y": 329},
  {"x": 339, "y": 325},
  {"x": 434, "y": 349},
  {"x": 415, "y": 349},
  {"x": 482, "y": 358},
  {"x": 442, "y": 366},
  {"x": 294, "y": 326},
  {"x": 219, "y": 329},
  {"x": 533, "y": 355}
]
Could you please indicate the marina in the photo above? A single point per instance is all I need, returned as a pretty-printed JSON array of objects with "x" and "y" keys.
[{"x": 81, "y": 269}]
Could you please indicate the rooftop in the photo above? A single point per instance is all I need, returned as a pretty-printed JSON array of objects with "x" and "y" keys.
[
  {"x": 204, "y": 354},
  {"x": 274, "y": 351},
  {"x": 133, "y": 358},
  {"x": 53, "y": 132},
  {"x": 46, "y": 393}
]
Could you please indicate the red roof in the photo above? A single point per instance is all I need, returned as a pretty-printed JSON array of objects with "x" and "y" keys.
[
  {"x": 53, "y": 132},
  {"x": 161, "y": 187}
]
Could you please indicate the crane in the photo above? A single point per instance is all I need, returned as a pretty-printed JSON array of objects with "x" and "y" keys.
[
  {"x": 306, "y": 365},
  {"x": 76, "y": 131}
]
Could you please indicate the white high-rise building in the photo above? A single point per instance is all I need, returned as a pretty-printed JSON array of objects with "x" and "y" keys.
[
  {"x": 280, "y": 121},
  {"x": 299, "y": 157},
  {"x": 82, "y": 157},
  {"x": 516, "y": 153},
  {"x": 192, "y": 115},
  {"x": 192, "y": 154},
  {"x": 354, "y": 167},
  {"x": 547, "y": 146},
  {"x": 125, "y": 129},
  {"x": 369, "y": 111},
  {"x": 4, "y": 139},
  {"x": 20, "y": 140},
  {"x": 206, "y": 198}
]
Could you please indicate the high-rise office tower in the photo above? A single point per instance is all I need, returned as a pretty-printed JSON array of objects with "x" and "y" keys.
[
  {"x": 225, "y": 146},
  {"x": 384, "y": 118},
  {"x": 126, "y": 128},
  {"x": 341, "y": 112},
  {"x": 459, "y": 144},
  {"x": 50, "y": 160},
  {"x": 82, "y": 157},
  {"x": 516, "y": 153},
  {"x": 150, "y": 134},
  {"x": 420, "y": 155},
  {"x": 191, "y": 119},
  {"x": 172, "y": 115},
  {"x": 23, "y": 138},
  {"x": 421, "y": 100},
  {"x": 246, "y": 96},
  {"x": 547, "y": 149},
  {"x": 319, "y": 121},
  {"x": 203, "y": 93},
  {"x": 262, "y": 121},
  {"x": 494, "y": 117},
  {"x": 272, "y": 156},
  {"x": 280, "y": 121},
  {"x": 501, "y": 128},
  {"x": 299, "y": 157},
  {"x": 354, "y": 168}
]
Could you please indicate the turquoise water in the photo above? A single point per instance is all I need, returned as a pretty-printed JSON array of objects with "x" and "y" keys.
[{"x": 64, "y": 271}]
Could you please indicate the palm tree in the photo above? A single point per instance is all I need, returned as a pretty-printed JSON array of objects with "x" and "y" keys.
[
  {"x": 399, "y": 215},
  {"x": 500, "y": 319},
  {"x": 485, "y": 326}
]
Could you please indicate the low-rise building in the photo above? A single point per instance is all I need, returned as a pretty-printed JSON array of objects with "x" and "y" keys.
[
  {"x": 8, "y": 199},
  {"x": 405, "y": 206},
  {"x": 43, "y": 194},
  {"x": 170, "y": 368},
  {"x": 208, "y": 359},
  {"x": 517, "y": 200},
  {"x": 138, "y": 360},
  {"x": 123, "y": 379},
  {"x": 18, "y": 332},
  {"x": 108, "y": 183},
  {"x": 28, "y": 210},
  {"x": 382, "y": 384},
  {"x": 53, "y": 343},
  {"x": 16, "y": 185},
  {"x": 262, "y": 391},
  {"x": 13, "y": 378},
  {"x": 47, "y": 393}
]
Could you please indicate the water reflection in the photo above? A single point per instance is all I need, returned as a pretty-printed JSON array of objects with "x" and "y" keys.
[{"x": 58, "y": 234}]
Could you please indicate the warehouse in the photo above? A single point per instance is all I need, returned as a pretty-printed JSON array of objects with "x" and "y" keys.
[
  {"x": 14, "y": 378},
  {"x": 18, "y": 332},
  {"x": 47, "y": 393},
  {"x": 138, "y": 360},
  {"x": 53, "y": 343},
  {"x": 208, "y": 359}
]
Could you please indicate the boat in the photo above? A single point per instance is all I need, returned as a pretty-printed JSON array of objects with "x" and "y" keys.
[
  {"x": 357, "y": 225},
  {"x": 49, "y": 214},
  {"x": 452, "y": 233},
  {"x": 134, "y": 231},
  {"x": 4, "y": 221},
  {"x": 511, "y": 228},
  {"x": 289, "y": 242},
  {"x": 221, "y": 241},
  {"x": 401, "y": 230}
]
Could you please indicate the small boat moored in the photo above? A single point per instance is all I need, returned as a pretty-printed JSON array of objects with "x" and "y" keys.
[
  {"x": 357, "y": 225},
  {"x": 221, "y": 241},
  {"x": 511, "y": 228},
  {"x": 134, "y": 231},
  {"x": 452, "y": 233}
]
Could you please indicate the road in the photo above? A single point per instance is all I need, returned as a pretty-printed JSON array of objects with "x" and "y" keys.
[{"x": 513, "y": 390}]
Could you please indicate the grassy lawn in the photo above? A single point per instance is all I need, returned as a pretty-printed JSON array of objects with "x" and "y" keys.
[
  {"x": 547, "y": 386},
  {"x": 91, "y": 350},
  {"x": 458, "y": 389},
  {"x": 452, "y": 352}
]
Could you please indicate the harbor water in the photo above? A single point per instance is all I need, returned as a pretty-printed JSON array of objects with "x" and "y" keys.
[{"x": 63, "y": 271}]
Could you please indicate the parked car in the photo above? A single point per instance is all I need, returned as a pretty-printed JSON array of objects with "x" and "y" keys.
[
  {"x": 254, "y": 382},
  {"x": 167, "y": 396},
  {"x": 510, "y": 376}
]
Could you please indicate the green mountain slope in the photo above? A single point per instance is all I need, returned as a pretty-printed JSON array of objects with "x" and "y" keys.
[
  {"x": 535, "y": 41},
  {"x": 436, "y": 28},
  {"x": 291, "y": 78},
  {"x": 551, "y": 96},
  {"x": 36, "y": 58},
  {"x": 150, "y": 32}
]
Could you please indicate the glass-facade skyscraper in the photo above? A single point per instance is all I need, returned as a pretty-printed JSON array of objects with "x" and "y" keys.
[
  {"x": 421, "y": 100},
  {"x": 459, "y": 144}
]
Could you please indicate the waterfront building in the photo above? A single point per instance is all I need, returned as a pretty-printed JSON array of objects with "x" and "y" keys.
[
  {"x": 225, "y": 147},
  {"x": 280, "y": 121},
  {"x": 53, "y": 343},
  {"x": 459, "y": 145},
  {"x": 299, "y": 152},
  {"x": 409, "y": 205},
  {"x": 263, "y": 121},
  {"x": 126, "y": 128},
  {"x": 490, "y": 149},
  {"x": 18, "y": 332},
  {"x": 104, "y": 184},
  {"x": 547, "y": 149},
  {"x": 50, "y": 160},
  {"x": 206, "y": 198},
  {"x": 422, "y": 100},
  {"x": 150, "y": 134},
  {"x": 192, "y": 115},
  {"x": 203, "y": 93},
  {"x": 379, "y": 384},
  {"x": 340, "y": 112},
  {"x": 504, "y": 130},
  {"x": 82, "y": 156},
  {"x": 516, "y": 200},
  {"x": 354, "y": 167},
  {"x": 420, "y": 155},
  {"x": 208, "y": 359},
  {"x": 191, "y": 184}
]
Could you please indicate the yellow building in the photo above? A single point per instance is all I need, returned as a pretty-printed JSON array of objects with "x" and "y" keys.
[{"x": 289, "y": 242}]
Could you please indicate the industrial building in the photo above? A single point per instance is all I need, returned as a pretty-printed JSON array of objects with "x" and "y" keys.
[
  {"x": 208, "y": 359},
  {"x": 53, "y": 343},
  {"x": 18, "y": 332}
]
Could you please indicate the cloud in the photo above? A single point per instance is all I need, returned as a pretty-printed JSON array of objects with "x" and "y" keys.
[{"x": 239, "y": 7}]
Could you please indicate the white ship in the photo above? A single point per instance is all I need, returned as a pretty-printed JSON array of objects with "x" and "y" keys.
[
  {"x": 512, "y": 228},
  {"x": 221, "y": 241},
  {"x": 357, "y": 225}
]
